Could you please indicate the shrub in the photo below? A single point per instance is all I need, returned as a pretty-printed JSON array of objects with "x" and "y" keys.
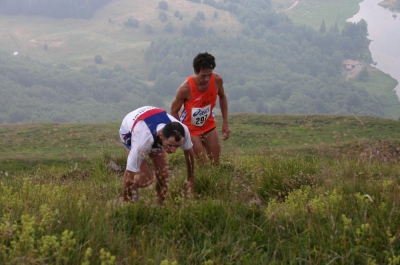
[
  {"x": 163, "y": 16},
  {"x": 169, "y": 27},
  {"x": 134, "y": 23},
  {"x": 98, "y": 59},
  {"x": 163, "y": 5},
  {"x": 148, "y": 29}
]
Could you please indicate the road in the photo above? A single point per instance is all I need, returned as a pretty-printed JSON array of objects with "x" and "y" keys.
[{"x": 291, "y": 7}]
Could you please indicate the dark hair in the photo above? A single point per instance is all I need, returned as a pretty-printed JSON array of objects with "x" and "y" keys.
[
  {"x": 174, "y": 129},
  {"x": 203, "y": 61}
]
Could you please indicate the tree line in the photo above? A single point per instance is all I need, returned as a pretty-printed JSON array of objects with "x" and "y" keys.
[{"x": 35, "y": 92}]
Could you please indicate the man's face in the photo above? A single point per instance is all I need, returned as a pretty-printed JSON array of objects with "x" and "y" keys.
[
  {"x": 170, "y": 145},
  {"x": 204, "y": 76}
]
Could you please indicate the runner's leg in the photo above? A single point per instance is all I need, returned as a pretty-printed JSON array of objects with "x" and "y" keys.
[
  {"x": 212, "y": 145},
  {"x": 160, "y": 164},
  {"x": 199, "y": 150}
]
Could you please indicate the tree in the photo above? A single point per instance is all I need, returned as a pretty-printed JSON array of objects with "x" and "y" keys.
[
  {"x": 363, "y": 75},
  {"x": 18, "y": 115},
  {"x": 98, "y": 59},
  {"x": 260, "y": 106},
  {"x": 132, "y": 22},
  {"x": 200, "y": 16},
  {"x": 106, "y": 73},
  {"x": 322, "y": 28},
  {"x": 148, "y": 29},
  {"x": 352, "y": 100},
  {"x": 163, "y": 16},
  {"x": 193, "y": 29},
  {"x": 90, "y": 70},
  {"x": 336, "y": 28},
  {"x": 163, "y": 5},
  {"x": 167, "y": 84},
  {"x": 169, "y": 27},
  {"x": 153, "y": 99}
]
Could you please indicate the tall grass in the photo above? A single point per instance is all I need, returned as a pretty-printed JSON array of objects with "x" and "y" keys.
[
  {"x": 325, "y": 193},
  {"x": 285, "y": 207}
]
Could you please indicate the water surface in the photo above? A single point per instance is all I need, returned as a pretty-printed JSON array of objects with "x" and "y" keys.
[{"x": 384, "y": 31}]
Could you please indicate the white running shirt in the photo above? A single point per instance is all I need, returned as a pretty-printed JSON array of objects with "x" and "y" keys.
[{"x": 142, "y": 139}]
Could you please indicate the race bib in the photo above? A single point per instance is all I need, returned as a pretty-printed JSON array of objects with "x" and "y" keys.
[{"x": 200, "y": 115}]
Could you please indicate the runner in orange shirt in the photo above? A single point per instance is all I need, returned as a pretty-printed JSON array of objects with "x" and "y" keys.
[{"x": 198, "y": 96}]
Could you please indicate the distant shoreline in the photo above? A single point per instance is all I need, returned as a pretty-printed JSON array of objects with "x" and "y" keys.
[{"x": 392, "y": 5}]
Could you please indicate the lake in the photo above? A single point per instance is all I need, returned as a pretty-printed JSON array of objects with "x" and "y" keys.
[{"x": 384, "y": 31}]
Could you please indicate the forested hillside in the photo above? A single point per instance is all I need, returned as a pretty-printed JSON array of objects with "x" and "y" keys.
[
  {"x": 34, "y": 92},
  {"x": 271, "y": 66},
  {"x": 274, "y": 67}
]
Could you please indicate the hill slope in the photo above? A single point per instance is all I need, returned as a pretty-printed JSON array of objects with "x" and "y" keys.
[
  {"x": 30, "y": 144},
  {"x": 272, "y": 200},
  {"x": 75, "y": 42}
]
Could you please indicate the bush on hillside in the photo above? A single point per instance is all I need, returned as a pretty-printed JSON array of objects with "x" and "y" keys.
[
  {"x": 132, "y": 22},
  {"x": 148, "y": 29},
  {"x": 98, "y": 59},
  {"x": 163, "y": 5},
  {"x": 163, "y": 16}
]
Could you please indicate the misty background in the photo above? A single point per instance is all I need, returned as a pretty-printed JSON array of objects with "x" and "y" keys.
[{"x": 269, "y": 64}]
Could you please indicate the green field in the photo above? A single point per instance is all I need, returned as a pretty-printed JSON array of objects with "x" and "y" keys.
[
  {"x": 313, "y": 12},
  {"x": 75, "y": 42},
  {"x": 291, "y": 189}
]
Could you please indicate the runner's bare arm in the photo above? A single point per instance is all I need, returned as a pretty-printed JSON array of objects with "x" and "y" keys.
[
  {"x": 182, "y": 93},
  {"x": 223, "y": 104}
]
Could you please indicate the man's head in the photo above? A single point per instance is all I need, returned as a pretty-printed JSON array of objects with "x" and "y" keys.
[
  {"x": 203, "y": 61},
  {"x": 173, "y": 135}
]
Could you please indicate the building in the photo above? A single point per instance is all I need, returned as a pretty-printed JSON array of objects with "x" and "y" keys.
[{"x": 350, "y": 64}]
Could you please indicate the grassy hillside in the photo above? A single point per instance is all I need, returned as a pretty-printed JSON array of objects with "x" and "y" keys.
[
  {"x": 75, "y": 42},
  {"x": 312, "y": 12},
  {"x": 385, "y": 93},
  {"x": 48, "y": 143},
  {"x": 291, "y": 188},
  {"x": 390, "y": 4}
]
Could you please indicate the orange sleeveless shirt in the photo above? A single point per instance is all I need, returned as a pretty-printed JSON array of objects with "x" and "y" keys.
[{"x": 197, "y": 113}]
